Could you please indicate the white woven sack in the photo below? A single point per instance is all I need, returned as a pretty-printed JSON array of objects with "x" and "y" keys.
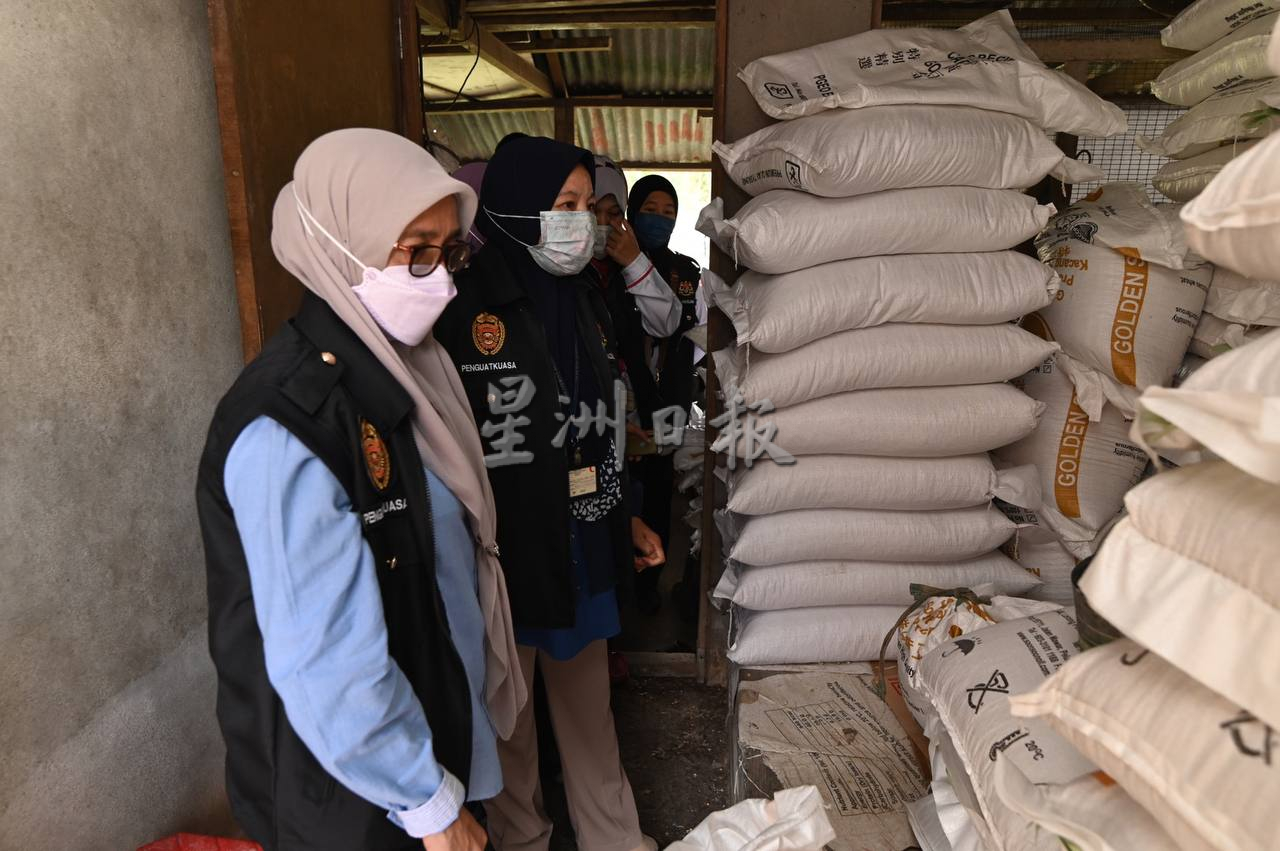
[
  {"x": 1200, "y": 539},
  {"x": 912, "y": 422},
  {"x": 865, "y": 481},
  {"x": 830, "y": 534},
  {"x": 1092, "y": 812},
  {"x": 1230, "y": 406},
  {"x": 1182, "y": 180},
  {"x": 984, "y": 64},
  {"x": 1085, "y": 467},
  {"x": 795, "y": 820},
  {"x": 944, "y": 619},
  {"x": 1037, "y": 549},
  {"x": 807, "y": 636},
  {"x": 841, "y": 152},
  {"x": 1215, "y": 336},
  {"x": 802, "y": 584},
  {"x": 1203, "y": 768},
  {"x": 1121, "y": 216},
  {"x": 1238, "y": 56},
  {"x": 1239, "y": 112},
  {"x": 969, "y": 682},
  {"x": 1235, "y": 298},
  {"x": 778, "y": 313},
  {"x": 1235, "y": 222},
  {"x": 1273, "y": 51},
  {"x": 893, "y": 355},
  {"x": 1205, "y": 21},
  {"x": 782, "y": 231}
]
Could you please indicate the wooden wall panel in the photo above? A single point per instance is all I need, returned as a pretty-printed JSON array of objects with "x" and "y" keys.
[{"x": 285, "y": 74}]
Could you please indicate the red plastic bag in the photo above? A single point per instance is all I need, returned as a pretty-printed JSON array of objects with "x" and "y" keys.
[{"x": 192, "y": 842}]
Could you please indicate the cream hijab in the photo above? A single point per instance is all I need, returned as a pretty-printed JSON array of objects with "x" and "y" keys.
[{"x": 363, "y": 186}]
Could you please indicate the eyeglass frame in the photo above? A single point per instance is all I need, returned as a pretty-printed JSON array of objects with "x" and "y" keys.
[{"x": 445, "y": 251}]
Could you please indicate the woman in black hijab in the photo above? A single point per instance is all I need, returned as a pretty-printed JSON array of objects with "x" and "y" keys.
[{"x": 533, "y": 342}]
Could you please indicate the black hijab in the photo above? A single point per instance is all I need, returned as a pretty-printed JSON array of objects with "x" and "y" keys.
[
  {"x": 645, "y": 187},
  {"x": 523, "y": 178}
]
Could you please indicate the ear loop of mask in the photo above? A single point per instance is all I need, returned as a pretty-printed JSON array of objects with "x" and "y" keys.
[
  {"x": 304, "y": 214},
  {"x": 493, "y": 217}
]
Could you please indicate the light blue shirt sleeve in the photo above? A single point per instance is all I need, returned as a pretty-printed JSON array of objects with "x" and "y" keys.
[{"x": 315, "y": 590}]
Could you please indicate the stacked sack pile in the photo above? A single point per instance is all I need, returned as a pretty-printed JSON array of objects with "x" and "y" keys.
[
  {"x": 1165, "y": 738},
  {"x": 1232, "y": 87},
  {"x": 877, "y": 318},
  {"x": 1132, "y": 295}
]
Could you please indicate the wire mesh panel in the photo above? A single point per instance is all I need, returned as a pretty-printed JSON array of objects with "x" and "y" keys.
[{"x": 1119, "y": 156}]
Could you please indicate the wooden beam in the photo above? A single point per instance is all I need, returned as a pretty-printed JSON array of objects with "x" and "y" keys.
[
  {"x": 479, "y": 7},
  {"x": 466, "y": 30},
  {"x": 514, "y": 104},
  {"x": 556, "y": 71},
  {"x": 520, "y": 43},
  {"x": 409, "y": 115},
  {"x": 655, "y": 166},
  {"x": 1053, "y": 51},
  {"x": 941, "y": 13},
  {"x": 687, "y": 18}
]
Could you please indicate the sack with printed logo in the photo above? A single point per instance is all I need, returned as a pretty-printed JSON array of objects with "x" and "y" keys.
[
  {"x": 1182, "y": 180},
  {"x": 1202, "y": 767},
  {"x": 1247, "y": 110},
  {"x": 802, "y": 584},
  {"x": 782, "y": 231},
  {"x": 1122, "y": 216},
  {"x": 1235, "y": 298},
  {"x": 909, "y": 422},
  {"x": 778, "y": 313},
  {"x": 1200, "y": 539},
  {"x": 893, "y": 355},
  {"x": 840, "y": 153},
  {"x": 984, "y": 64},
  {"x": 1124, "y": 317},
  {"x": 1240, "y": 55},
  {"x": 865, "y": 481},
  {"x": 1085, "y": 467},
  {"x": 1206, "y": 21},
  {"x": 969, "y": 682},
  {"x": 830, "y": 534},
  {"x": 807, "y": 636},
  {"x": 1235, "y": 222}
]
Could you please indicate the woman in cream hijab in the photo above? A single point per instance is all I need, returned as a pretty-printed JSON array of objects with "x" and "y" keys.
[{"x": 358, "y": 615}]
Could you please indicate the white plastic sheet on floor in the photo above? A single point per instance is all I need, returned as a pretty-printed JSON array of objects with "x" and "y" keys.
[{"x": 793, "y": 821}]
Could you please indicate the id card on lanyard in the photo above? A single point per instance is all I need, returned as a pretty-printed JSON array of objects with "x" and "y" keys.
[{"x": 583, "y": 479}]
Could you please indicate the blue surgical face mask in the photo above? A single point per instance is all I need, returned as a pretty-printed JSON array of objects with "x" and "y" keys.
[{"x": 652, "y": 230}]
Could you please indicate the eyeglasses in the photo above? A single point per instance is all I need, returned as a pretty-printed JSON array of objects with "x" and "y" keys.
[{"x": 425, "y": 259}]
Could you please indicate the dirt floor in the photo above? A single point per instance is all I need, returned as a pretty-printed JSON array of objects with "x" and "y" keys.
[{"x": 675, "y": 749}]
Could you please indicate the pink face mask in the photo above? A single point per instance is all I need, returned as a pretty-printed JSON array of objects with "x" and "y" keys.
[{"x": 405, "y": 308}]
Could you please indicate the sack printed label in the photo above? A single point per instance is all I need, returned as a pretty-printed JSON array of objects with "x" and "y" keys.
[
  {"x": 997, "y": 682},
  {"x": 779, "y": 91},
  {"x": 376, "y": 459},
  {"x": 793, "y": 174},
  {"x": 1066, "y": 476},
  {"x": 488, "y": 333},
  {"x": 1128, "y": 310}
]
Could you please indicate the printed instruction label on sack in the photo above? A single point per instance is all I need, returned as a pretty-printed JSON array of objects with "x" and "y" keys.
[{"x": 582, "y": 481}]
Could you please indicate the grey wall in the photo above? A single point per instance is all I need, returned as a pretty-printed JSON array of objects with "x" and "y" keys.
[{"x": 118, "y": 332}]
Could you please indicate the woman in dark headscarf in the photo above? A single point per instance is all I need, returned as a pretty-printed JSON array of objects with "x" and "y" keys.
[
  {"x": 652, "y": 207},
  {"x": 534, "y": 344}
]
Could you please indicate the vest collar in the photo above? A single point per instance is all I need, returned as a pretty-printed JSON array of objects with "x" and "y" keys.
[{"x": 381, "y": 398}]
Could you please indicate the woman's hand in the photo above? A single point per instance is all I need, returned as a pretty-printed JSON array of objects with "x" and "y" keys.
[
  {"x": 622, "y": 245},
  {"x": 465, "y": 834},
  {"x": 647, "y": 544}
]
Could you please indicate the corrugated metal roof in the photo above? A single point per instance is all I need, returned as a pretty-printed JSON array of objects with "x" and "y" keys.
[
  {"x": 474, "y": 135},
  {"x": 648, "y": 135},
  {"x": 651, "y": 62}
]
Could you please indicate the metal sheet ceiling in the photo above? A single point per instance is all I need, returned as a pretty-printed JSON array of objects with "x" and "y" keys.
[
  {"x": 474, "y": 135},
  {"x": 645, "y": 135},
  {"x": 645, "y": 62}
]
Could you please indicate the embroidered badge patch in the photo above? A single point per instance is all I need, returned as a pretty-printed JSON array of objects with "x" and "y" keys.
[
  {"x": 686, "y": 289},
  {"x": 376, "y": 459},
  {"x": 488, "y": 332}
]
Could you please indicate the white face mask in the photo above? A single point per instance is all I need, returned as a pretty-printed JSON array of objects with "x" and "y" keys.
[
  {"x": 405, "y": 307},
  {"x": 602, "y": 241},
  {"x": 567, "y": 243}
]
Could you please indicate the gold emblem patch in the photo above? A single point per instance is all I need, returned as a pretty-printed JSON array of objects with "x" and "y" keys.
[
  {"x": 686, "y": 289},
  {"x": 488, "y": 332},
  {"x": 376, "y": 458}
]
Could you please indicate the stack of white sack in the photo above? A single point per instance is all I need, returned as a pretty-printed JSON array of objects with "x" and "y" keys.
[
  {"x": 1235, "y": 223},
  {"x": 875, "y": 326},
  {"x": 1132, "y": 296},
  {"x": 1229, "y": 83}
]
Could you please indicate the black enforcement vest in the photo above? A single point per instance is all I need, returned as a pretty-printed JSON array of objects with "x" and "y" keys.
[
  {"x": 321, "y": 383},
  {"x": 492, "y": 332},
  {"x": 628, "y": 325},
  {"x": 675, "y": 359}
]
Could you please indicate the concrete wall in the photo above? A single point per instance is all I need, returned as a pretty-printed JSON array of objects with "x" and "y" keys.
[{"x": 118, "y": 333}]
